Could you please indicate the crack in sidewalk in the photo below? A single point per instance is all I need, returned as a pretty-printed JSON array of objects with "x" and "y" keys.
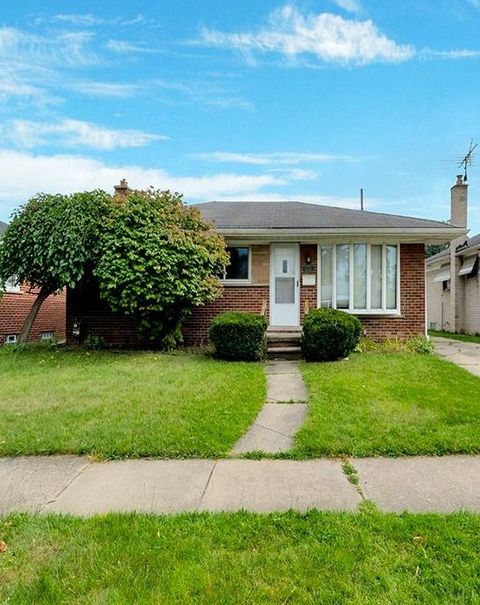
[
  {"x": 207, "y": 484},
  {"x": 351, "y": 474},
  {"x": 65, "y": 487},
  {"x": 267, "y": 428}
]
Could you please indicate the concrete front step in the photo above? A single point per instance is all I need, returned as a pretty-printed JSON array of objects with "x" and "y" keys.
[
  {"x": 280, "y": 335},
  {"x": 284, "y": 342},
  {"x": 284, "y": 352}
]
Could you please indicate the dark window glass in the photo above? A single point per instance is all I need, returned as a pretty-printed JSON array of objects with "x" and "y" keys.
[{"x": 238, "y": 267}]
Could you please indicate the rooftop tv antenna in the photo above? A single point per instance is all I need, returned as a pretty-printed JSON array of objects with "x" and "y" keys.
[{"x": 467, "y": 160}]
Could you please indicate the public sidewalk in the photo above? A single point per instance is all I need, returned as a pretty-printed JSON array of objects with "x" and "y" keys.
[{"x": 70, "y": 484}]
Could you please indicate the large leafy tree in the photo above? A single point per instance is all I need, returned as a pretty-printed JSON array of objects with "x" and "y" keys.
[
  {"x": 51, "y": 242},
  {"x": 159, "y": 260}
]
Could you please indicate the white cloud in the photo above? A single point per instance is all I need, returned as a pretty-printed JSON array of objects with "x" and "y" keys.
[
  {"x": 124, "y": 47},
  {"x": 74, "y": 133},
  {"x": 351, "y": 6},
  {"x": 31, "y": 65},
  {"x": 22, "y": 50},
  {"x": 297, "y": 174},
  {"x": 274, "y": 158},
  {"x": 327, "y": 37},
  {"x": 461, "y": 53},
  {"x": 211, "y": 93},
  {"x": 106, "y": 89},
  {"x": 11, "y": 88},
  {"x": 87, "y": 20},
  {"x": 24, "y": 174}
]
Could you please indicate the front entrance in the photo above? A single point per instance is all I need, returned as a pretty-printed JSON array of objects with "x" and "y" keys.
[{"x": 284, "y": 285}]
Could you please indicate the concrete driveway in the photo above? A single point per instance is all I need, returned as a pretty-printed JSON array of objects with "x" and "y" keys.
[{"x": 463, "y": 354}]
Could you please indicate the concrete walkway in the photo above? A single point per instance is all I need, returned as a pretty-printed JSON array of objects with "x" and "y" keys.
[
  {"x": 282, "y": 415},
  {"x": 463, "y": 354},
  {"x": 70, "y": 484}
]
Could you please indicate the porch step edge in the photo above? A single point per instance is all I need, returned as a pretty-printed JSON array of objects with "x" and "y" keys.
[
  {"x": 284, "y": 335},
  {"x": 284, "y": 352}
]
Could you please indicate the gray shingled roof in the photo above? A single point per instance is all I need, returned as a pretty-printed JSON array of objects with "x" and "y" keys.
[
  {"x": 3, "y": 227},
  {"x": 471, "y": 242},
  {"x": 300, "y": 215}
]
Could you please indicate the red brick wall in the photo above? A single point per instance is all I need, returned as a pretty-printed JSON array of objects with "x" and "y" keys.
[
  {"x": 234, "y": 298},
  {"x": 412, "y": 299},
  {"x": 308, "y": 294},
  {"x": 84, "y": 303},
  {"x": 117, "y": 330},
  {"x": 14, "y": 308}
]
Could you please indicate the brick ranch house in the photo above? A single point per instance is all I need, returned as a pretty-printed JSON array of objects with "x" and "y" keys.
[
  {"x": 15, "y": 304},
  {"x": 289, "y": 257}
]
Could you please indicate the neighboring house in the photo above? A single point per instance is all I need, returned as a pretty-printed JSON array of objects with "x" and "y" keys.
[
  {"x": 453, "y": 284},
  {"x": 289, "y": 257},
  {"x": 15, "y": 303}
]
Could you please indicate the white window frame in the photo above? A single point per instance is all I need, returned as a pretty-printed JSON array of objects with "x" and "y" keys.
[
  {"x": 11, "y": 342},
  {"x": 351, "y": 308},
  {"x": 233, "y": 282},
  {"x": 44, "y": 338},
  {"x": 9, "y": 288}
]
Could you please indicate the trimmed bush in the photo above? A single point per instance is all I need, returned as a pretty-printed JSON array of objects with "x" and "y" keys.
[
  {"x": 239, "y": 336},
  {"x": 329, "y": 334}
]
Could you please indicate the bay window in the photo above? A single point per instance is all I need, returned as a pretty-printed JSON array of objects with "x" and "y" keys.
[{"x": 359, "y": 277}]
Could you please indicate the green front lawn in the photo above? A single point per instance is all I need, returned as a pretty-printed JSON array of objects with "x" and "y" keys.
[
  {"x": 455, "y": 336},
  {"x": 125, "y": 405},
  {"x": 366, "y": 558},
  {"x": 389, "y": 404}
]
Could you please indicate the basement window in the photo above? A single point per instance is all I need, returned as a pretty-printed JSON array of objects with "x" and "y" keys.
[
  {"x": 239, "y": 267},
  {"x": 11, "y": 339},
  {"x": 46, "y": 336}
]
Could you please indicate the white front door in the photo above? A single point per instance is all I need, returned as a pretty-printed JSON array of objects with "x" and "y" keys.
[{"x": 284, "y": 285}]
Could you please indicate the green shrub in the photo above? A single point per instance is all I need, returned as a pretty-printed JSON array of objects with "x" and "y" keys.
[
  {"x": 239, "y": 336},
  {"x": 94, "y": 343},
  {"x": 329, "y": 334}
]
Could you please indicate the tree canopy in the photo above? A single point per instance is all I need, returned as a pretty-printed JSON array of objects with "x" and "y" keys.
[
  {"x": 154, "y": 257},
  {"x": 50, "y": 242},
  {"x": 159, "y": 259}
]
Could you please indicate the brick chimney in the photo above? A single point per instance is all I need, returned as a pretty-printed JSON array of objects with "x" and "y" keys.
[
  {"x": 458, "y": 217},
  {"x": 459, "y": 201},
  {"x": 122, "y": 190}
]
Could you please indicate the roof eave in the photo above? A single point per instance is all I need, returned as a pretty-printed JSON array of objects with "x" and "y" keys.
[{"x": 402, "y": 234}]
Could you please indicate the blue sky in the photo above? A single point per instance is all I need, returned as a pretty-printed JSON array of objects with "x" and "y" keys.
[{"x": 242, "y": 100}]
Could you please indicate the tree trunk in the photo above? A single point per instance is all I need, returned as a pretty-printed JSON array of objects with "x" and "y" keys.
[{"x": 32, "y": 315}]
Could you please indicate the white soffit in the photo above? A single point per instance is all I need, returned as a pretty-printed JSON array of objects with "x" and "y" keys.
[{"x": 468, "y": 265}]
